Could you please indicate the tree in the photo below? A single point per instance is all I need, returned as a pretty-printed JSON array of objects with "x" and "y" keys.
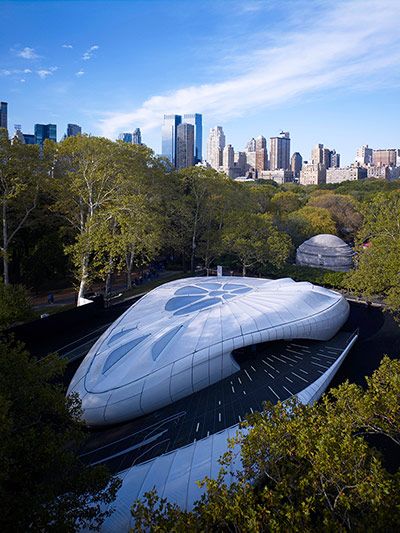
[
  {"x": 303, "y": 468},
  {"x": 21, "y": 172},
  {"x": 307, "y": 222},
  {"x": 285, "y": 202},
  {"x": 87, "y": 181},
  {"x": 378, "y": 260},
  {"x": 44, "y": 486},
  {"x": 344, "y": 210},
  {"x": 254, "y": 239},
  {"x": 15, "y": 305}
]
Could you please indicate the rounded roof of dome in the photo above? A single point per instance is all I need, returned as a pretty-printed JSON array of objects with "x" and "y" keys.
[
  {"x": 326, "y": 239},
  {"x": 325, "y": 245}
]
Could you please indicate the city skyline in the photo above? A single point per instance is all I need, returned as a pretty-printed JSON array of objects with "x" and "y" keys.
[{"x": 235, "y": 66}]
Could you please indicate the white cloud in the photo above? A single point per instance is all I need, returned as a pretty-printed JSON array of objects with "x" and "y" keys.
[
  {"x": 27, "y": 71},
  {"x": 45, "y": 72},
  {"x": 5, "y": 72},
  {"x": 89, "y": 52},
  {"x": 67, "y": 46},
  {"x": 27, "y": 53},
  {"x": 343, "y": 45},
  {"x": 80, "y": 73},
  {"x": 22, "y": 80}
]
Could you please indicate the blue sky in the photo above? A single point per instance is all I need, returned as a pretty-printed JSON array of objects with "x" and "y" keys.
[{"x": 327, "y": 71}]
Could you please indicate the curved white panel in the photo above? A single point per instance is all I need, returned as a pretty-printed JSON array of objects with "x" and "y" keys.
[{"x": 178, "y": 339}]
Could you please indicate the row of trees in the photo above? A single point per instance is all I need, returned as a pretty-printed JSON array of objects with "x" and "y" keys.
[{"x": 88, "y": 208}]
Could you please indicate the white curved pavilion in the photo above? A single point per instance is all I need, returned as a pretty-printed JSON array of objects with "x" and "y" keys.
[{"x": 178, "y": 339}]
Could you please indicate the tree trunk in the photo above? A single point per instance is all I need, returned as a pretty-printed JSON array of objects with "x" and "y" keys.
[
  {"x": 244, "y": 270},
  {"x": 129, "y": 265},
  {"x": 84, "y": 279},
  {"x": 5, "y": 246}
]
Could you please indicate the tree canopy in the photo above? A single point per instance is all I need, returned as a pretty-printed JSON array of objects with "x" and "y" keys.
[
  {"x": 303, "y": 468},
  {"x": 44, "y": 486}
]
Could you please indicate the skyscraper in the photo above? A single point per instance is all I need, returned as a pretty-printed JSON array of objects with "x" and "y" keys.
[
  {"x": 170, "y": 124},
  {"x": 296, "y": 163},
  {"x": 3, "y": 115},
  {"x": 251, "y": 145},
  {"x": 73, "y": 130},
  {"x": 280, "y": 151},
  {"x": 137, "y": 136},
  {"x": 125, "y": 137},
  {"x": 196, "y": 120},
  {"x": 45, "y": 131},
  {"x": 228, "y": 158},
  {"x": 215, "y": 146},
  {"x": 261, "y": 154},
  {"x": 184, "y": 145}
]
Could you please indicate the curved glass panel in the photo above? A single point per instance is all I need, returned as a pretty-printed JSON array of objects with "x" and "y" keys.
[
  {"x": 180, "y": 301},
  {"x": 233, "y": 286},
  {"x": 229, "y": 296},
  {"x": 210, "y": 285},
  {"x": 119, "y": 335},
  {"x": 119, "y": 353},
  {"x": 241, "y": 291},
  {"x": 190, "y": 289},
  {"x": 216, "y": 293},
  {"x": 161, "y": 344},
  {"x": 203, "y": 304}
]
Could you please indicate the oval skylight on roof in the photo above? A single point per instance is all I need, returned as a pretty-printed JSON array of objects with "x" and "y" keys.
[
  {"x": 202, "y": 295},
  {"x": 119, "y": 352}
]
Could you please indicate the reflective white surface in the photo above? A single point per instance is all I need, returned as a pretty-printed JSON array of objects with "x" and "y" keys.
[{"x": 178, "y": 339}]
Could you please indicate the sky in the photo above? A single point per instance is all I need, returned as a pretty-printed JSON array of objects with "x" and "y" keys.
[{"x": 327, "y": 71}]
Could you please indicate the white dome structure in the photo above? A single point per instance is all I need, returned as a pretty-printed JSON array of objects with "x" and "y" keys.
[
  {"x": 325, "y": 251},
  {"x": 179, "y": 338}
]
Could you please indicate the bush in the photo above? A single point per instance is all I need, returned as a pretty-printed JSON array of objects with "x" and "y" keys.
[
  {"x": 15, "y": 305},
  {"x": 318, "y": 276}
]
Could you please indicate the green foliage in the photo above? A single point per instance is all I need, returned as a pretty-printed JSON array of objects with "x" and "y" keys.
[
  {"x": 44, "y": 486},
  {"x": 304, "y": 468},
  {"x": 317, "y": 276},
  {"x": 344, "y": 210},
  {"x": 15, "y": 305},
  {"x": 307, "y": 222},
  {"x": 254, "y": 239},
  {"x": 378, "y": 264}
]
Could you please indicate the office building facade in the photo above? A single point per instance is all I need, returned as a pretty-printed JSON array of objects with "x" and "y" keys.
[
  {"x": 338, "y": 175},
  {"x": 184, "y": 145},
  {"x": 296, "y": 163},
  {"x": 215, "y": 146},
  {"x": 73, "y": 130},
  {"x": 313, "y": 174},
  {"x": 280, "y": 152},
  {"x": 364, "y": 155},
  {"x": 384, "y": 157},
  {"x": 45, "y": 131},
  {"x": 3, "y": 115},
  {"x": 168, "y": 144},
  {"x": 196, "y": 120}
]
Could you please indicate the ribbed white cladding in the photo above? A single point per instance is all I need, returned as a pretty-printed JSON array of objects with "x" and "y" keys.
[
  {"x": 325, "y": 251},
  {"x": 178, "y": 339}
]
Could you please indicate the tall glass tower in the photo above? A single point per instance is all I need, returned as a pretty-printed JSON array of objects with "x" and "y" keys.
[
  {"x": 73, "y": 130},
  {"x": 185, "y": 145},
  {"x": 3, "y": 115},
  {"x": 45, "y": 131},
  {"x": 197, "y": 121},
  {"x": 168, "y": 145}
]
